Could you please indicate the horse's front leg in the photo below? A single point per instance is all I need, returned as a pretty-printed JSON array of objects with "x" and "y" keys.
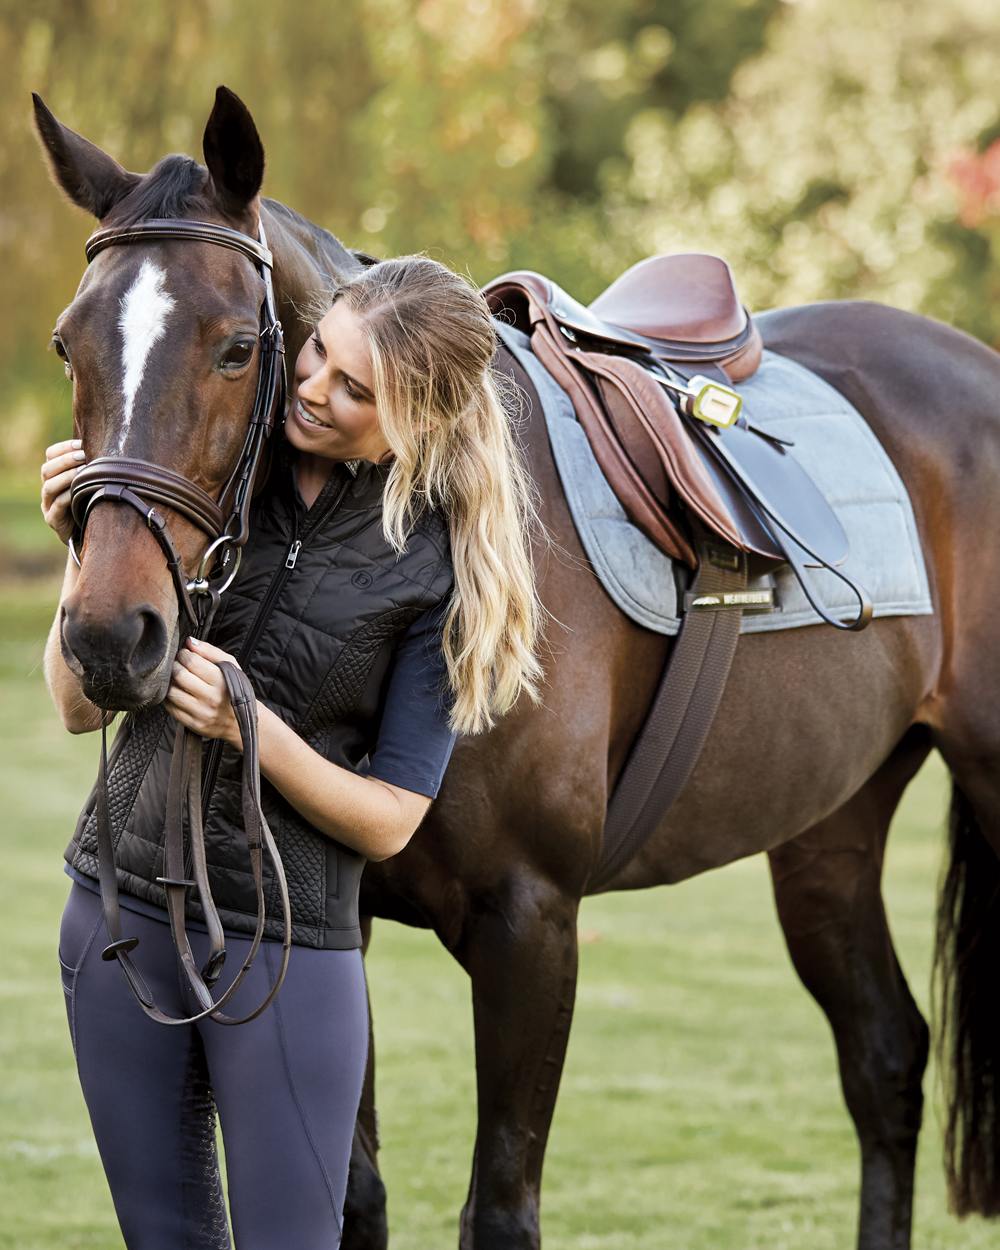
[{"x": 520, "y": 950}]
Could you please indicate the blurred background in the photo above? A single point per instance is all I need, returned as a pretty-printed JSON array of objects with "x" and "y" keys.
[{"x": 828, "y": 149}]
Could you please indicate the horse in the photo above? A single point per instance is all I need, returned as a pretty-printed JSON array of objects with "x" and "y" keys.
[{"x": 816, "y": 739}]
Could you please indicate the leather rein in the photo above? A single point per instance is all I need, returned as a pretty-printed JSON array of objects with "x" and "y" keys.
[{"x": 225, "y": 522}]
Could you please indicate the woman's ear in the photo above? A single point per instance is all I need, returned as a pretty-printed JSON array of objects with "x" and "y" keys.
[
  {"x": 234, "y": 153},
  {"x": 93, "y": 180}
]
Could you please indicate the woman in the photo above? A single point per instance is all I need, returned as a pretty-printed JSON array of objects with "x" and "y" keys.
[{"x": 385, "y": 604}]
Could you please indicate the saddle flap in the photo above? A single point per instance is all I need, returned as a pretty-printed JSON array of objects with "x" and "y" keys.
[{"x": 779, "y": 480}]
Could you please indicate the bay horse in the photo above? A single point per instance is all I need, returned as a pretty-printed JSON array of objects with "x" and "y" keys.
[{"x": 816, "y": 739}]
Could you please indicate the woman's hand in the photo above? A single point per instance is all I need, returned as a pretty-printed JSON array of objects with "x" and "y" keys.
[
  {"x": 63, "y": 461},
  {"x": 198, "y": 696}
]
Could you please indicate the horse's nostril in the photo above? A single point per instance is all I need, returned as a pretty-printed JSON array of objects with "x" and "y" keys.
[
  {"x": 130, "y": 646},
  {"x": 150, "y": 646}
]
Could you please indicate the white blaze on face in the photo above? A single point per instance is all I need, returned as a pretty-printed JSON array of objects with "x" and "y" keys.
[{"x": 145, "y": 307}]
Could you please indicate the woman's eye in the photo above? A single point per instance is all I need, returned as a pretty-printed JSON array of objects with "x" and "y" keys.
[
  {"x": 318, "y": 345},
  {"x": 239, "y": 354},
  {"x": 352, "y": 391}
]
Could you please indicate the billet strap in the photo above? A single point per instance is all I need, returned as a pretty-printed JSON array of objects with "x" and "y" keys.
[
  {"x": 670, "y": 742},
  {"x": 185, "y": 777}
]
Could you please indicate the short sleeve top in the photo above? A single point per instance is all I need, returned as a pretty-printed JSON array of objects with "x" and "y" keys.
[{"x": 414, "y": 741}]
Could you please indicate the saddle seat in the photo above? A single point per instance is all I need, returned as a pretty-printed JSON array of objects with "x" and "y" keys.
[{"x": 681, "y": 308}]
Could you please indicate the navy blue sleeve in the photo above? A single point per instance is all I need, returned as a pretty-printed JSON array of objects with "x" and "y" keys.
[{"x": 414, "y": 741}]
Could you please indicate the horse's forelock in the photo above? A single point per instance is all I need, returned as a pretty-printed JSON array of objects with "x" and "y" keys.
[{"x": 177, "y": 186}]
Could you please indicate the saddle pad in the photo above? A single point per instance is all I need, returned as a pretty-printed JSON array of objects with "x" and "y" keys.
[{"x": 833, "y": 443}]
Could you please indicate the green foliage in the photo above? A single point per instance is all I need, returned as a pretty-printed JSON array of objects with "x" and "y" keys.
[{"x": 827, "y": 171}]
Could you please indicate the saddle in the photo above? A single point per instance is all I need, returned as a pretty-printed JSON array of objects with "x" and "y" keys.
[{"x": 649, "y": 366}]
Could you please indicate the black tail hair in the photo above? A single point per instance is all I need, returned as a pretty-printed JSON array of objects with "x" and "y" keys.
[{"x": 967, "y": 1006}]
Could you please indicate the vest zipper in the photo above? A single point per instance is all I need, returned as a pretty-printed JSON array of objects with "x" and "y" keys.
[{"x": 278, "y": 581}]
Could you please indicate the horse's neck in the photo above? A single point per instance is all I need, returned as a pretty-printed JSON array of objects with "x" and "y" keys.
[{"x": 307, "y": 261}]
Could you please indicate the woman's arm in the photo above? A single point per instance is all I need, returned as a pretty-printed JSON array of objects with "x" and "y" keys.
[
  {"x": 373, "y": 816},
  {"x": 370, "y": 815},
  {"x": 63, "y": 462},
  {"x": 76, "y": 711}
]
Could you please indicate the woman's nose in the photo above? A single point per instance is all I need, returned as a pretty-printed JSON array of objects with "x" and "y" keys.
[{"x": 312, "y": 390}]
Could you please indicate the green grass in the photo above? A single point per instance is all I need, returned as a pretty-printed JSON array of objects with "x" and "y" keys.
[{"x": 699, "y": 1106}]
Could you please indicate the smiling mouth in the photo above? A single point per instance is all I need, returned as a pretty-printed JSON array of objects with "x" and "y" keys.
[{"x": 308, "y": 418}]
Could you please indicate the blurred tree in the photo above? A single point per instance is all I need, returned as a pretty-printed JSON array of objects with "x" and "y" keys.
[
  {"x": 606, "y": 62},
  {"x": 825, "y": 172}
]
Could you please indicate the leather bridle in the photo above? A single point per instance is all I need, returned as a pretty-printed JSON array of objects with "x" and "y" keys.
[
  {"x": 225, "y": 522},
  {"x": 144, "y": 485}
]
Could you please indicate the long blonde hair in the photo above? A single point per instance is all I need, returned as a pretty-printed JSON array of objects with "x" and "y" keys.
[{"x": 449, "y": 420}]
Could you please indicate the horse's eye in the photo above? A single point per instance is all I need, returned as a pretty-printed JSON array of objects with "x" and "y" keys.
[
  {"x": 238, "y": 355},
  {"x": 60, "y": 351}
]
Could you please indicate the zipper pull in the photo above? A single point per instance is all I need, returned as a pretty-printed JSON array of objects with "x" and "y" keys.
[{"x": 293, "y": 553}]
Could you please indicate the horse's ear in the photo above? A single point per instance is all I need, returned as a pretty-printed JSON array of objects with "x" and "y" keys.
[
  {"x": 234, "y": 153},
  {"x": 92, "y": 179}
]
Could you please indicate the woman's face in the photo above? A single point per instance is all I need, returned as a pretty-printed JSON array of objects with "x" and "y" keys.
[{"x": 332, "y": 411}]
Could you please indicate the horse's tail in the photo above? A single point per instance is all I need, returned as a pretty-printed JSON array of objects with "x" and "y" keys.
[{"x": 967, "y": 1003}]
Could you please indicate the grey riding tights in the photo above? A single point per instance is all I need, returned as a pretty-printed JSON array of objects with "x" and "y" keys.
[{"x": 287, "y": 1088}]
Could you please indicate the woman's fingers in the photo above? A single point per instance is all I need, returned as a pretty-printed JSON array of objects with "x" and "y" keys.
[
  {"x": 205, "y": 669},
  {"x": 194, "y": 685},
  {"x": 183, "y": 701},
  {"x": 210, "y": 652},
  {"x": 66, "y": 444},
  {"x": 53, "y": 487},
  {"x": 200, "y": 705},
  {"x": 64, "y": 460},
  {"x": 62, "y": 463}
]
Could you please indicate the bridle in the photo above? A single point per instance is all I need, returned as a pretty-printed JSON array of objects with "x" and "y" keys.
[
  {"x": 144, "y": 485},
  {"x": 225, "y": 522}
]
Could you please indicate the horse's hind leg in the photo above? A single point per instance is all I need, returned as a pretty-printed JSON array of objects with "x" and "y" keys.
[{"x": 827, "y": 886}]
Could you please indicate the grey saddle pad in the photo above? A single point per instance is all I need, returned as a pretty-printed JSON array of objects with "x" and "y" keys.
[{"x": 833, "y": 443}]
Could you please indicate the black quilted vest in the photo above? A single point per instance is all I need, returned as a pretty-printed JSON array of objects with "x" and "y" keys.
[{"x": 313, "y": 616}]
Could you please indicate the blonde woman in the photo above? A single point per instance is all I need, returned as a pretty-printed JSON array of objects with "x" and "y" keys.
[{"x": 388, "y": 579}]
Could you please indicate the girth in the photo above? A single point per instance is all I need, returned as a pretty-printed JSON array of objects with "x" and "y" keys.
[{"x": 148, "y": 487}]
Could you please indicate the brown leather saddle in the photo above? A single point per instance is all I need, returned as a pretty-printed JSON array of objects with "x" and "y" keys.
[{"x": 649, "y": 366}]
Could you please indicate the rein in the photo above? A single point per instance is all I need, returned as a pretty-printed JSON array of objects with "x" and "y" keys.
[{"x": 225, "y": 523}]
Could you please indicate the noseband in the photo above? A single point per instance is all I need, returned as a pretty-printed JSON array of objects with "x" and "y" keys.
[{"x": 225, "y": 522}]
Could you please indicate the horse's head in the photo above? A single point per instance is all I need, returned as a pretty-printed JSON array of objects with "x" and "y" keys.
[{"x": 162, "y": 344}]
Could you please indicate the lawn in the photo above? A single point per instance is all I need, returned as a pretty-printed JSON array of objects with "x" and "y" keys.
[{"x": 699, "y": 1106}]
